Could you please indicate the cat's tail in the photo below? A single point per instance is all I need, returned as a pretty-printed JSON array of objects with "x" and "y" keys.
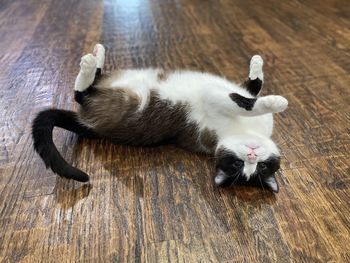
[{"x": 42, "y": 129}]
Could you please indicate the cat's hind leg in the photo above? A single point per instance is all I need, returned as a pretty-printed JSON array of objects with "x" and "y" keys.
[
  {"x": 255, "y": 80},
  {"x": 91, "y": 66},
  {"x": 86, "y": 75}
]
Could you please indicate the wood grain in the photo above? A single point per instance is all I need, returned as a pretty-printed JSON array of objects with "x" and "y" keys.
[{"x": 159, "y": 204}]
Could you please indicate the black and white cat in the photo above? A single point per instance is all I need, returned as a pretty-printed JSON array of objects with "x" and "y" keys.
[{"x": 197, "y": 111}]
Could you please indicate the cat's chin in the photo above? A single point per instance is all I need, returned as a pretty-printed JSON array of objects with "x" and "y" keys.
[{"x": 240, "y": 144}]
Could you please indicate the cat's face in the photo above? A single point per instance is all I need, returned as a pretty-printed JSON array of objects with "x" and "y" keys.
[{"x": 247, "y": 160}]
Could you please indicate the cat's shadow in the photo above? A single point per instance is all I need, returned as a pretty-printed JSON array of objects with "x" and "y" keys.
[
  {"x": 158, "y": 173},
  {"x": 139, "y": 162},
  {"x": 67, "y": 193}
]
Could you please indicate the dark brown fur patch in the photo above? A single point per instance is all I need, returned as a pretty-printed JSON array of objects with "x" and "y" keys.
[
  {"x": 107, "y": 107},
  {"x": 208, "y": 140}
]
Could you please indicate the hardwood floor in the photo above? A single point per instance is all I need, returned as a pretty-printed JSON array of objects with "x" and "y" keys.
[{"x": 159, "y": 204}]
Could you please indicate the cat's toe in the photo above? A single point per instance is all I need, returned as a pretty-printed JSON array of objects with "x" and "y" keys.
[
  {"x": 98, "y": 50},
  {"x": 256, "y": 60},
  {"x": 281, "y": 104},
  {"x": 275, "y": 103},
  {"x": 88, "y": 64},
  {"x": 99, "y": 53},
  {"x": 256, "y": 67}
]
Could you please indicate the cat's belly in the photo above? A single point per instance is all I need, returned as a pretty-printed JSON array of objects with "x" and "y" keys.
[
  {"x": 261, "y": 125},
  {"x": 237, "y": 125}
]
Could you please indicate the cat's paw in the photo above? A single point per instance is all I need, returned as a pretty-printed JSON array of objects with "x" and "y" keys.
[
  {"x": 99, "y": 53},
  {"x": 274, "y": 103},
  {"x": 256, "y": 68},
  {"x": 88, "y": 64}
]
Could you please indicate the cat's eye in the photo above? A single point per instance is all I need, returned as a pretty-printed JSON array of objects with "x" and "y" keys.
[
  {"x": 262, "y": 166},
  {"x": 237, "y": 163}
]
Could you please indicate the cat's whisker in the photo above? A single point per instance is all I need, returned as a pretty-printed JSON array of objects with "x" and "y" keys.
[
  {"x": 236, "y": 178},
  {"x": 262, "y": 185}
]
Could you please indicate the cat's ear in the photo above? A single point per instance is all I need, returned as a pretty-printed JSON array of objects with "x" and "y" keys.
[
  {"x": 221, "y": 179},
  {"x": 271, "y": 183}
]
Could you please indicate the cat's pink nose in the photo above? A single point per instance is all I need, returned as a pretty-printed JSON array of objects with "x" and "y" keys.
[
  {"x": 251, "y": 154},
  {"x": 252, "y": 158}
]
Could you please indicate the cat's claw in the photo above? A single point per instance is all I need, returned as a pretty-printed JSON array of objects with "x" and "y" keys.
[
  {"x": 88, "y": 65},
  {"x": 274, "y": 103},
  {"x": 256, "y": 68},
  {"x": 99, "y": 53}
]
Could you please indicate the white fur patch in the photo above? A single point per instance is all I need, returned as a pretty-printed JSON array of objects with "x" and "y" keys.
[{"x": 249, "y": 169}]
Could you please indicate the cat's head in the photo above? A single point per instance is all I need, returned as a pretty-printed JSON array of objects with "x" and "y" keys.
[{"x": 247, "y": 160}]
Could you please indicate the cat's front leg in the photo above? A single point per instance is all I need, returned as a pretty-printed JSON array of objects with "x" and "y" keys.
[
  {"x": 257, "y": 106},
  {"x": 230, "y": 104}
]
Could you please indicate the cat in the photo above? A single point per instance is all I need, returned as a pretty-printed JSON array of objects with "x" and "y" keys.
[{"x": 197, "y": 111}]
